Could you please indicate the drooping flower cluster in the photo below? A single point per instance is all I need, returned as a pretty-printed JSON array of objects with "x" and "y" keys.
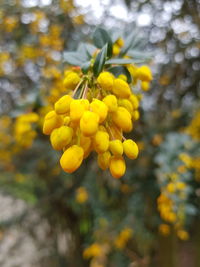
[{"x": 95, "y": 120}]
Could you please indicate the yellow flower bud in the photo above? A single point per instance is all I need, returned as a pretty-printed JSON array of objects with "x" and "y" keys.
[
  {"x": 101, "y": 141},
  {"x": 183, "y": 235},
  {"x": 29, "y": 117},
  {"x": 116, "y": 49},
  {"x": 105, "y": 79},
  {"x": 116, "y": 147},
  {"x": 63, "y": 104},
  {"x": 117, "y": 166},
  {"x": 104, "y": 160},
  {"x": 130, "y": 149},
  {"x": 72, "y": 158},
  {"x": 171, "y": 187},
  {"x": 51, "y": 122},
  {"x": 121, "y": 88},
  {"x": 86, "y": 144},
  {"x": 180, "y": 185},
  {"x": 85, "y": 103},
  {"x": 145, "y": 86},
  {"x": 60, "y": 137},
  {"x": 81, "y": 195},
  {"x": 71, "y": 80},
  {"x": 135, "y": 115},
  {"x": 77, "y": 108},
  {"x": 126, "y": 104},
  {"x": 122, "y": 77},
  {"x": 122, "y": 119},
  {"x": 134, "y": 100},
  {"x": 164, "y": 229},
  {"x": 120, "y": 42},
  {"x": 144, "y": 73},
  {"x": 111, "y": 102},
  {"x": 89, "y": 123},
  {"x": 132, "y": 69},
  {"x": 100, "y": 108}
]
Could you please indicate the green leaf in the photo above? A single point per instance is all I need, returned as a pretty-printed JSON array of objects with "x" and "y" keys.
[
  {"x": 128, "y": 43},
  {"x": 82, "y": 49},
  {"x": 90, "y": 49},
  {"x": 117, "y": 70},
  {"x": 138, "y": 54},
  {"x": 100, "y": 38},
  {"x": 123, "y": 61},
  {"x": 100, "y": 60},
  {"x": 73, "y": 58},
  {"x": 115, "y": 35},
  {"x": 85, "y": 67}
]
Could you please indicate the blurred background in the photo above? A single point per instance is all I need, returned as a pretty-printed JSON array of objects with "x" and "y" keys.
[{"x": 150, "y": 217}]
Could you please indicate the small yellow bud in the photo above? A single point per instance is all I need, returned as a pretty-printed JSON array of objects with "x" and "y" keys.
[
  {"x": 180, "y": 185},
  {"x": 145, "y": 86},
  {"x": 111, "y": 102},
  {"x": 104, "y": 160},
  {"x": 100, "y": 108},
  {"x": 51, "y": 122},
  {"x": 63, "y": 104},
  {"x": 122, "y": 77},
  {"x": 126, "y": 104},
  {"x": 135, "y": 115},
  {"x": 120, "y": 42},
  {"x": 116, "y": 49},
  {"x": 71, "y": 80},
  {"x": 81, "y": 195},
  {"x": 101, "y": 141},
  {"x": 117, "y": 166},
  {"x": 164, "y": 229},
  {"x": 116, "y": 147},
  {"x": 122, "y": 119},
  {"x": 171, "y": 217},
  {"x": 134, "y": 100},
  {"x": 183, "y": 235},
  {"x": 171, "y": 188},
  {"x": 144, "y": 73},
  {"x": 60, "y": 137},
  {"x": 89, "y": 123},
  {"x": 77, "y": 108},
  {"x": 72, "y": 158},
  {"x": 121, "y": 88},
  {"x": 86, "y": 144},
  {"x": 132, "y": 69},
  {"x": 130, "y": 149},
  {"x": 105, "y": 79}
]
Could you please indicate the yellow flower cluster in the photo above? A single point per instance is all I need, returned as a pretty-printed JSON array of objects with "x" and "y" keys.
[
  {"x": 52, "y": 39},
  {"x": 24, "y": 133},
  {"x": 124, "y": 236},
  {"x": 9, "y": 23},
  {"x": 5, "y": 141},
  {"x": 4, "y": 59},
  {"x": 95, "y": 250},
  {"x": 81, "y": 195},
  {"x": 117, "y": 46},
  {"x": 165, "y": 207},
  {"x": 95, "y": 121},
  {"x": 194, "y": 128},
  {"x": 170, "y": 211}
]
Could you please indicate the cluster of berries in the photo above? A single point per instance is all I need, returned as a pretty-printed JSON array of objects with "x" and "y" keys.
[{"x": 94, "y": 121}]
